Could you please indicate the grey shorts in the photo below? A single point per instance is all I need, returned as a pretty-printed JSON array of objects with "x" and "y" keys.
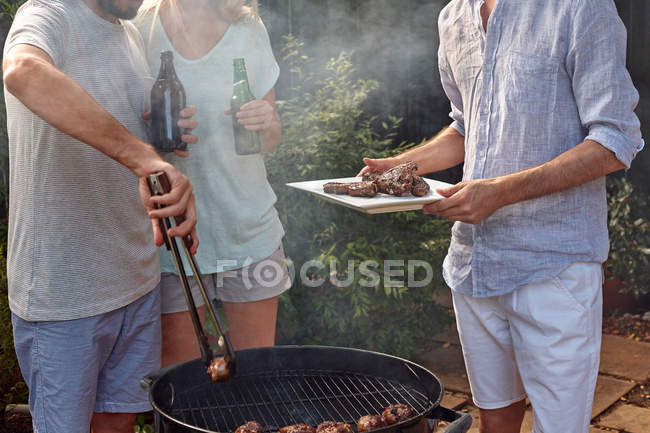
[
  {"x": 260, "y": 280},
  {"x": 76, "y": 367}
]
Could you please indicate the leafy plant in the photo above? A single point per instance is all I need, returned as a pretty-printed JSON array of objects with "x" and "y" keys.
[
  {"x": 143, "y": 423},
  {"x": 325, "y": 135},
  {"x": 12, "y": 387},
  {"x": 9, "y": 8},
  {"x": 629, "y": 236}
]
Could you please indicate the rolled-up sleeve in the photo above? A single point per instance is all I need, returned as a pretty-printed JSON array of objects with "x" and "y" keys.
[
  {"x": 452, "y": 92},
  {"x": 603, "y": 89}
]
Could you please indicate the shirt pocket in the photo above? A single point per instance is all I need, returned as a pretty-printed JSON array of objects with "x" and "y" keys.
[{"x": 532, "y": 83}]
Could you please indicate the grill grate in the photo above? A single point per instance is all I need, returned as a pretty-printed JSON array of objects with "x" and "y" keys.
[{"x": 280, "y": 398}]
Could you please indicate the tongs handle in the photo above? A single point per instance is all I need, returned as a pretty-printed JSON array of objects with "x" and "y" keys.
[{"x": 159, "y": 184}]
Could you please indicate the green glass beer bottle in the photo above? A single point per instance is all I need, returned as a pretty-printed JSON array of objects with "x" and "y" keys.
[{"x": 246, "y": 142}]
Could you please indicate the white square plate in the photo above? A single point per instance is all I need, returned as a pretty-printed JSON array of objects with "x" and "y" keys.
[{"x": 381, "y": 203}]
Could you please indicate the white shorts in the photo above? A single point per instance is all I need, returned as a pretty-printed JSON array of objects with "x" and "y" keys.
[
  {"x": 260, "y": 280},
  {"x": 542, "y": 340}
]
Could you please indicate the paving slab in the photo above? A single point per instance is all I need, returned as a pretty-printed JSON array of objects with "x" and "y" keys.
[
  {"x": 446, "y": 362},
  {"x": 632, "y": 419},
  {"x": 625, "y": 358},
  {"x": 454, "y": 400},
  {"x": 526, "y": 425},
  {"x": 608, "y": 391}
]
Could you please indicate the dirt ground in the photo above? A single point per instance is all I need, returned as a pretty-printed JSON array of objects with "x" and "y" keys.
[
  {"x": 639, "y": 396},
  {"x": 16, "y": 423},
  {"x": 628, "y": 327}
]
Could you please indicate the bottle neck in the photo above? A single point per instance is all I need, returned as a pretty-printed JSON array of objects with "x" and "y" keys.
[
  {"x": 241, "y": 89},
  {"x": 239, "y": 68},
  {"x": 240, "y": 75},
  {"x": 167, "y": 67}
]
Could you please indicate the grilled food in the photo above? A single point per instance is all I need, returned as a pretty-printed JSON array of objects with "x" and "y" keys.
[
  {"x": 298, "y": 428},
  {"x": 335, "y": 188},
  {"x": 357, "y": 189},
  {"x": 397, "y": 412},
  {"x": 420, "y": 186},
  {"x": 219, "y": 369},
  {"x": 370, "y": 422},
  {"x": 333, "y": 427},
  {"x": 250, "y": 427},
  {"x": 399, "y": 180}
]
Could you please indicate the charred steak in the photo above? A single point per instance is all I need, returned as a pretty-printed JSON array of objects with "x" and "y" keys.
[
  {"x": 357, "y": 189},
  {"x": 399, "y": 180},
  {"x": 420, "y": 186},
  {"x": 335, "y": 188}
]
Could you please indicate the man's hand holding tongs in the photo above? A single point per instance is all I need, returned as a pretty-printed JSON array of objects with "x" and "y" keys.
[{"x": 179, "y": 201}]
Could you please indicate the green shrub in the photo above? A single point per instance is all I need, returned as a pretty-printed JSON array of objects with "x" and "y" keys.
[
  {"x": 12, "y": 387},
  {"x": 629, "y": 236},
  {"x": 325, "y": 135}
]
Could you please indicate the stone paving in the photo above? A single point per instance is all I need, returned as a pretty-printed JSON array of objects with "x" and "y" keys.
[{"x": 624, "y": 365}]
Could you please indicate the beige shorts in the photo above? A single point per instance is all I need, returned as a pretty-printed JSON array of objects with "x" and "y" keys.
[{"x": 260, "y": 280}]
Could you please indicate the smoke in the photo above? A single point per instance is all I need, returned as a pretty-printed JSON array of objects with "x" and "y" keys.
[{"x": 394, "y": 42}]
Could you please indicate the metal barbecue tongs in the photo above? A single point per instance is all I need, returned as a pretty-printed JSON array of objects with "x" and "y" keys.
[{"x": 218, "y": 368}]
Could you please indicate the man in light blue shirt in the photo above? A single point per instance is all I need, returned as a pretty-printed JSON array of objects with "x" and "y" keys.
[{"x": 542, "y": 109}]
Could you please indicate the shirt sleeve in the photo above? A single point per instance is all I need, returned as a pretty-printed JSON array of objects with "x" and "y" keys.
[
  {"x": 602, "y": 86},
  {"x": 268, "y": 70},
  {"x": 42, "y": 27},
  {"x": 451, "y": 90}
]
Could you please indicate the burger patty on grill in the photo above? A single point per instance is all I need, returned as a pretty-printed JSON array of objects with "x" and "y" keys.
[
  {"x": 370, "y": 422},
  {"x": 333, "y": 427},
  {"x": 298, "y": 428},
  {"x": 397, "y": 412},
  {"x": 250, "y": 427}
]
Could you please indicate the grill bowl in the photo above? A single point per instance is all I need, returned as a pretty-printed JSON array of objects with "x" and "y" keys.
[{"x": 283, "y": 385}]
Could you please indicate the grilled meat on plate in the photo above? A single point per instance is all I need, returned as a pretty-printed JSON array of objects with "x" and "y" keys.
[
  {"x": 399, "y": 180},
  {"x": 371, "y": 176},
  {"x": 370, "y": 422},
  {"x": 298, "y": 428},
  {"x": 357, "y": 189},
  {"x": 362, "y": 189},
  {"x": 335, "y": 188},
  {"x": 420, "y": 186}
]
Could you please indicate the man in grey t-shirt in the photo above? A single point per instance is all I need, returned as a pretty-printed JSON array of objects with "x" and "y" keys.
[{"x": 82, "y": 263}]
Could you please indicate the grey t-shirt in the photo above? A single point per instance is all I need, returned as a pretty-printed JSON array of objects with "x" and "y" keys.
[{"x": 80, "y": 243}]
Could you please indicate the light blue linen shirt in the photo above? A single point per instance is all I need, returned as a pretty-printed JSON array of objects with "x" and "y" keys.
[{"x": 545, "y": 77}]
